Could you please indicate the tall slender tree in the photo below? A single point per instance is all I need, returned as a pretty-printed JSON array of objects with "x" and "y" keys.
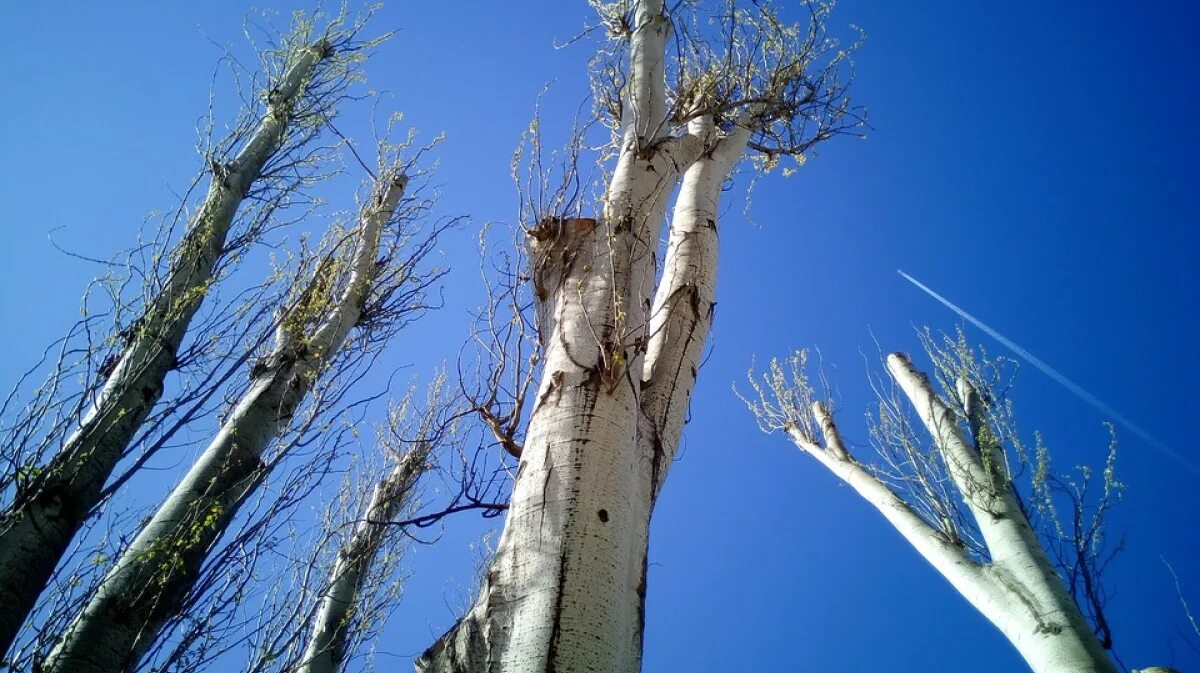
[
  {"x": 350, "y": 286},
  {"x": 47, "y": 503},
  {"x": 337, "y": 615},
  {"x": 325, "y": 651},
  {"x": 686, "y": 98}
]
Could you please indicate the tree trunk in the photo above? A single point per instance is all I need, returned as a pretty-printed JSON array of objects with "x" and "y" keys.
[
  {"x": 565, "y": 590},
  {"x": 1017, "y": 589},
  {"x": 581, "y": 501},
  {"x": 326, "y": 648},
  {"x": 37, "y": 528},
  {"x": 151, "y": 580},
  {"x": 682, "y": 313},
  {"x": 1023, "y": 596}
]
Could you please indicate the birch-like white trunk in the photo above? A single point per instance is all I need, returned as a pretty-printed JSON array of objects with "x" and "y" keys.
[
  {"x": 1024, "y": 597},
  {"x": 326, "y": 648},
  {"x": 35, "y": 531},
  {"x": 565, "y": 590},
  {"x": 150, "y": 581},
  {"x": 682, "y": 313},
  {"x": 1018, "y": 590}
]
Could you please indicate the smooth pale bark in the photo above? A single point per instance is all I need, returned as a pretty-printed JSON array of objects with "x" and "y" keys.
[
  {"x": 645, "y": 107},
  {"x": 151, "y": 580},
  {"x": 682, "y": 313},
  {"x": 1018, "y": 590},
  {"x": 579, "y": 501},
  {"x": 37, "y": 528},
  {"x": 565, "y": 590},
  {"x": 950, "y": 560},
  {"x": 1022, "y": 595},
  {"x": 649, "y": 164},
  {"x": 326, "y": 648}
]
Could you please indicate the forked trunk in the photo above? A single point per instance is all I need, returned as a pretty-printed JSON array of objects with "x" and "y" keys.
[
  {"x": 1019, "y": 591},
  {"x": 566, "y": 589}
]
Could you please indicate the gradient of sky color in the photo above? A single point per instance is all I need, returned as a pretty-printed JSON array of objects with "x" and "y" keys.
[{"x": 1034, "y": 162}]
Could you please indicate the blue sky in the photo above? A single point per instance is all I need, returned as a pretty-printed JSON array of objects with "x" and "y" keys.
[{"x": 1034, "y": 162}]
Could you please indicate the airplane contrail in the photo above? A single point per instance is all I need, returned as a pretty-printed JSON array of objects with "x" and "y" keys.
[{"x": 1058, "y": 376}]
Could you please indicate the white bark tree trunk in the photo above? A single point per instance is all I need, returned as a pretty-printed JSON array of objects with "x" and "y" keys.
[
  {"x": 36, "y": 529},
  {"x": 150, "y": 581},
  {"x": 565, "y": 591},
  {"x": 682, "y": 313},
  {"x": 1025, "y": 598},
  {"x": 1018, "y": 590},
  {"x": 326, "y": 648},
  {"x": 581, "y": 498}
]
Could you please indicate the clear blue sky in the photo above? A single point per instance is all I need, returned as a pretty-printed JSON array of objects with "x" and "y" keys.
[{"x": 1034, "y": 162}]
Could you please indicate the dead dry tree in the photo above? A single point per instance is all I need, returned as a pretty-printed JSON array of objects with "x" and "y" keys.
[
  {"x": 364, "y": 284},
  {"x": 59, "y": 451},
  {"x": 953, "y": 477}
]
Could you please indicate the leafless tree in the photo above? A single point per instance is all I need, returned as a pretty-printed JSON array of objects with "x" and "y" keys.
[
  {"x": 365, "y": 283},
  {"x": 60, "y": 450},
  {"x": 952, "y": 475}
]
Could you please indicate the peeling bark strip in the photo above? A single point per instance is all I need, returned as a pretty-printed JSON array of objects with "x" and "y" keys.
[
  {"x": 37, "y": 528},
  {"x": 150, "y": 581},
  {"x": 326, "y": 648}
]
